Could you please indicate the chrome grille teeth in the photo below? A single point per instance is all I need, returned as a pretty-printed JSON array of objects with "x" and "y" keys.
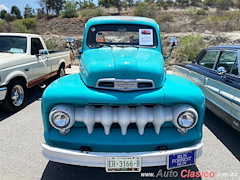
[
  {"x": 89, "y": 118},
  {"x": 124, "y": 118},
  {"x": 123, "y": 115},
  {"x": 158, "y": 116},
  {"x": 106, "y": 118},
  {"x": 142, "y": 118}
]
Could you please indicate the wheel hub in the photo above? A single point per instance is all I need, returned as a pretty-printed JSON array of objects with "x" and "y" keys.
[{"x": 17, "y": 95}]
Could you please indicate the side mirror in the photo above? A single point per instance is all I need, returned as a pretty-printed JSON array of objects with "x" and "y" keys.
[
  {"x": 80, "y": 51},
  {"x": 42, "y": 52},
  {"x": 70, "y": 40},
  {"x": 194, "y": 61},
  {"x": 165, "y": 57},
  {"x": 221, "y": 71}
]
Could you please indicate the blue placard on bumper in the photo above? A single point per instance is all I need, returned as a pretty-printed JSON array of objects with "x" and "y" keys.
[{"x": 181, "y": 160}]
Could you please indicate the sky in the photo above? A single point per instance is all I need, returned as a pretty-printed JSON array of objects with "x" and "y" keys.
[
  {"x": 21, "y": 4},
  {"x": 7, "y": 4}
]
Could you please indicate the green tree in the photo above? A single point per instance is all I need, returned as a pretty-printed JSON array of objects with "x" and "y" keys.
[
  {"x": 160, "y": 2},
  {"x": 109, "y": 3},
  {"x": 105, "y": 3},
  {"x": 40, "y": 13},
  {"x": 55, "y": 5},
  {"x": 8, "y": 17},
  {"x": 129, "y": 2},
  {"x": 28, "y": 12},
  {"x": 16, "y": 12},
  {"x": 44, "y": 5},
  {"x": 3, "y": 14},
  {"x": 86, "y": 4},
  {"x": 144, "y": 9},
  {"x": 183, "y": 2},
  {"x": 195, "y": 2},
  {"x": 223, "y": 4},
  {"x": 209, "y": 2},
  {"x": 69, "y": 9}
]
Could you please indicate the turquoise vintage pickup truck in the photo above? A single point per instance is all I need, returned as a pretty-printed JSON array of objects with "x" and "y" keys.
[{"x": 122, "y": 111}]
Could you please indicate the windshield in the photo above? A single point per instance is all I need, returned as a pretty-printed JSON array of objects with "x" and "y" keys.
[
  {"x": 13, "y": 44},
  {"x": 122, "y": 35}
]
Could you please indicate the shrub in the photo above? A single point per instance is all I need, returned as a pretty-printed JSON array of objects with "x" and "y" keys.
[
  {"x": 164, "y": 18},
  {"x": 19, "y": 27},
  {"x": 30, "y": 23},
  {"x": 188, "y": 47},
  {"x": 144, "y": 10},
  {"x": 50, "y": 44},
  {"x": 89, "y": 13},
  {"x": 201, "y": 12},
  {"x": 69, "y": 9},
  {"x": 2, "y": 26}
]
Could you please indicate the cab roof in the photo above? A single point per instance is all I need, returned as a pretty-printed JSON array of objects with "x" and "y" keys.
[{"x": 121, "y": 20}]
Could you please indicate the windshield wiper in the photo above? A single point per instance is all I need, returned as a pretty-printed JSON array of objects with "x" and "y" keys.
[
  {"x": 126, "y": 45},
  {"x": 106, "y": 45},
  {"x": 100, "y": 45}
]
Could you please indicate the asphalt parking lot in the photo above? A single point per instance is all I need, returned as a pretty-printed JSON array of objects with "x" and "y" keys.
[{"x": 21, "y": 136}]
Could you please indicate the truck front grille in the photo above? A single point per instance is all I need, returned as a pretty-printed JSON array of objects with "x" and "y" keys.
[{"x": 124, "y": 116}]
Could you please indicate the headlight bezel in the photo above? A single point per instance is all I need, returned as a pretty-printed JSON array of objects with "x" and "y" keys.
[
  {"x": 60, "y": 113},
  {"x": 67, "y": 111},
  {"x": 186, "y": 113},
  {"x": 181, "y": 109}
]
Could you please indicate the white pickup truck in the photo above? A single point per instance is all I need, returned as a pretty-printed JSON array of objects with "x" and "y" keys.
[{"x": 25, "y": 62}]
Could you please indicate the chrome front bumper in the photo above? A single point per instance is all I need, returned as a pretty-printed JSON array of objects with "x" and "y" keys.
[
  {"x": 3, "y": 92},
  {"x": 97, "y": 159}
]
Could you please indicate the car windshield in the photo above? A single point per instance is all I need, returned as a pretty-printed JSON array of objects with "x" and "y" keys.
[
  {"x": 13, "y": 44},
  {"x": 122, "y": 35}
]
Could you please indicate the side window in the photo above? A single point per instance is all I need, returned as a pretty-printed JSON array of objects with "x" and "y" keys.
[
  {"x": 36, "y": 45},
  {"x": 208, "y": 59},
  {"x": 226, "y": 60}
]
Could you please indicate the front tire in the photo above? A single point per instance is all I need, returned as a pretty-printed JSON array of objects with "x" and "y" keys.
[{"x": 16, "y": 96}]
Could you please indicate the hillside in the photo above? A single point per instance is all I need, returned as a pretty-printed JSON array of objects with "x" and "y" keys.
[{"x": 216, "y": 27}]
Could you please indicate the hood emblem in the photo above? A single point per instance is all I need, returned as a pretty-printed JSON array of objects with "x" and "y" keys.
[{"x": 125, "y": 84}]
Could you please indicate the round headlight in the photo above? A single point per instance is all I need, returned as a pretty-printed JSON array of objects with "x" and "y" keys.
[
  {"x": 60, "y": 119},
  {"x": 186, "y": 119}
]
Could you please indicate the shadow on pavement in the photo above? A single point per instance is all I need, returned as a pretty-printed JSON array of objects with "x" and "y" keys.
[
  {"x": 224, "y": 132},
  {"x": 33, "y": 94},
  {"x": 60, "y": 171}
]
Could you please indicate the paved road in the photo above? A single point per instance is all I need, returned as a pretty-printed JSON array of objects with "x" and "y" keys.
[{"x": 21, "y": 136}]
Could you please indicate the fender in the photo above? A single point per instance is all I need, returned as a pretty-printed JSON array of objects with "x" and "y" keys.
[{"x": 13, "y": 75}]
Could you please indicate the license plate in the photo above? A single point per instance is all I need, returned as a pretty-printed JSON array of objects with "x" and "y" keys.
[
  {"x": 123, "y": 164},
  {"x": 181, "y": 160}
]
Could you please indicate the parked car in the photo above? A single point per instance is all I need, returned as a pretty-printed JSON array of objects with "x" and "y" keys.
[
  {"x": 25, "y": 62},
  {"x": 216, "y": 71},
  {"x": 122, "y": 111}
]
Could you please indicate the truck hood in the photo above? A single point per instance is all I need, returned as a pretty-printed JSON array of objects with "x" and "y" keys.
[
  {"x": 119, "y": 64},
  {"x": 6, "y": 58}
]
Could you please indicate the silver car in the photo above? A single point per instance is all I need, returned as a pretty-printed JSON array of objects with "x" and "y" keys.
[{"x": 216, "y": 71}]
